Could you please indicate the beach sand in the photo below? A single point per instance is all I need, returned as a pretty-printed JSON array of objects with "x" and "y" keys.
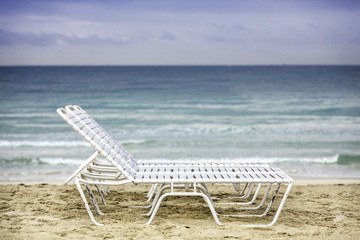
[{"x": 327, "y": 210}]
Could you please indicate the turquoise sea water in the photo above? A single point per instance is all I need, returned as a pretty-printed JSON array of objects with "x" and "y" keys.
[{"x": 304, "y": 119}]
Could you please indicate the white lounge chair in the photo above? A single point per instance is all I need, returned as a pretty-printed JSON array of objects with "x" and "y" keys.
[
  {"x": 245, "y": 191},
  {"x": 171, "y": 176},
  {"x": 77, "y": 111}
]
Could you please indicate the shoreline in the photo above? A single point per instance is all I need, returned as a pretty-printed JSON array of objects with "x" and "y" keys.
[{"x": 297, "y": 181}]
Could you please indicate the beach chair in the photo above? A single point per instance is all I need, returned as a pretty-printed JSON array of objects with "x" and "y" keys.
[
  {"x": 245, "y": 191},
  {"x": 171, "y": 176}
]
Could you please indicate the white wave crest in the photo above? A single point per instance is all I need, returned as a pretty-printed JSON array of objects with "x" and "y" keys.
[
  {"x": 269, "y": 160},
  {"x": 6, "y": 143},
  {"x": 322, "y": 160},
  {"x": 62, "y": 161}
]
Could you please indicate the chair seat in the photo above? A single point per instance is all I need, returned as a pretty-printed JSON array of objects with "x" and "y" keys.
[{"x": 208, "y": 174}]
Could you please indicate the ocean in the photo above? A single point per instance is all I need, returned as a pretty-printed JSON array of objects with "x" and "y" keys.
[{"x": 303, "y": 119}]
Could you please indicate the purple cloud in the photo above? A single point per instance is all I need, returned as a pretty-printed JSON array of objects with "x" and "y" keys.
[
  {"x": 168, "y": 36},
  {"x": 48, "y": 39}
]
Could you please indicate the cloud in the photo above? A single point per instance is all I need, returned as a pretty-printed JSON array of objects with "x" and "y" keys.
[
  {"x": 14, "y": 38},
  {"x": 10, "y": 38},
  {"x": 168, "y": 36}
]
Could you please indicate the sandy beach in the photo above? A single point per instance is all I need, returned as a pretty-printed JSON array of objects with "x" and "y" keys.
[{"x": 324, "y": 210}]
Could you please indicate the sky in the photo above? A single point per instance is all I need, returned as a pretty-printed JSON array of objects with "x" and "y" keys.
[{"x": 183, "y": 32}]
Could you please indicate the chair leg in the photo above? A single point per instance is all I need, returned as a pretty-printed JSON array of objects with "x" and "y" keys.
[
  {"x": 86, "y": 203},
  {"x": 151, "y": 188},
  {"x": 278, "y": 210},
  {"x": 206, "y": 198},
  {"x": 207, "y": 194},
  {"x": 236, "y": 187},
  {"x": 243, "y": 194},
  {"x": 105, "y": 190},
  {"x": 244, "y": 203},
  {"x": 151, "y": 192},
  {"x": 266, "y": 210},
  {"x": 271, "y": 200},
  {"x": 262, "y": 201},
  {"x": 100, "y": 195},
  {"x": 156, "y": 198},
  {"x": 249, "y": 191},
  {"x": 93, "y": 200},
  {"x": 156, "y": 208},
  {"x": 243, "y": 189},
  {"x": 163, "y": 188},
  {"x": 204, "y": 186},
  {"x": 155, "y": 192}
]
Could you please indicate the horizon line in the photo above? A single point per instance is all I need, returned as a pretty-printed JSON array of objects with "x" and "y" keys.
[{"x": 180, "y": 65}]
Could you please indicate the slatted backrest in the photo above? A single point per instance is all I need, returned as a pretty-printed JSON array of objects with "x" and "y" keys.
[{"x": 93, "y": 133}]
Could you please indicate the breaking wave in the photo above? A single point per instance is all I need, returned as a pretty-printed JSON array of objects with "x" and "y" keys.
[
  {"x": 6, "y": 143},
  {"x": 336, "y": 159}
]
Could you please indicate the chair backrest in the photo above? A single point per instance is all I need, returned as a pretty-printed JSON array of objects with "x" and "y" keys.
[{"x": 93, "y": 133}]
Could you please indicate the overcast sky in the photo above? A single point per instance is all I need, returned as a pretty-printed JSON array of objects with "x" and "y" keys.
[{"x": 193, "y": 32}]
